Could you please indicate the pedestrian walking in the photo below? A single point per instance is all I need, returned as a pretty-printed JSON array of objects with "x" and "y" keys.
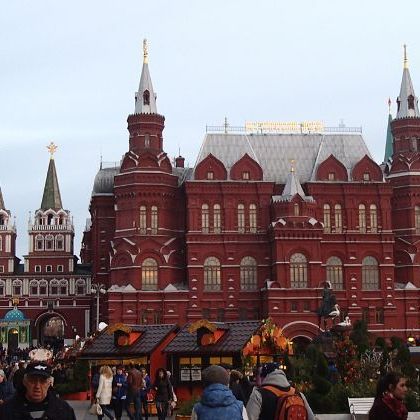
[
  {"x": 119, "y": 392},
  {"x": 164, "y": 395},
  {"x": 104, "y": 392}
]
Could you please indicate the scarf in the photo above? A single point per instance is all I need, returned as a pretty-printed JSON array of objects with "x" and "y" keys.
[{"x": 395, "y": 405}]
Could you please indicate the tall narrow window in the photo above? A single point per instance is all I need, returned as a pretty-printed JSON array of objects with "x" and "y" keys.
[
  {"x": 50, "y": 219},
  {"x": 17, "y": 287},
  {"x": 2, "y": 287},
  {"x": 143, "y": 220},
  {"x": 298, "y": 271},
  {"x": 417, "y": 219},
  {"x": 212, "y": 274},
  {"x": 43, "y": 287},
  {"x": 373, "y": 218},
  {"x": 217, "y": 222},
  {"x": 59, "y": 242},
  {"x": 241, "y": 218},
  {"x": 1, "y": 243},
  {"x": 379, "y": 315},
  {"x": 149, "y": 274},
  {"x": 33, "y": 287},
  {"x": 296, "y": 209},
  {"x": 54, "y": 287},
  {"x": 327, "y": 218},
  {"x": 63, "y": 287},
  {"x": 370, "y": 274},
  {"x": 49, "y": 242},
  {"x": 253, "y": 218},
  {"x": 146, "y": 97},
  {"x": 335, "y": 273},
  {"x": 80, "y": 287},
  {"x": 39, "y": 243},
  {"x": 365, "y": 315},
  {"x": 248, "y": 274},
  {"x": 362, "y": 218},
  {"x": 154, "y": 220},
  {"x": 2, "y": 220},
  {"x": 338, "y": 220},
  {"x": 146, "y": 140},
  {"x": 205, "y": 218}
]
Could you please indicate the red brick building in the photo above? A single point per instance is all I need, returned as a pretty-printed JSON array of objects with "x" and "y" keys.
[
  {"x": 246, "y": 233},
  {"x": 46, "y": 300}
]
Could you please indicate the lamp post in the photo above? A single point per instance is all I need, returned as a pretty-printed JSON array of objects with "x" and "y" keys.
[{"x": 97, "y": 289}]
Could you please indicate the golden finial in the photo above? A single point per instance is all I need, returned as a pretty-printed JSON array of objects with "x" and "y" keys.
[
  {"x": 405, "y": 57},
  {"x": 52, "y": 149},
  {"x": 292, "y": 165},
  {"x": 389, "y": 105},
  {"x": 15, "y": 301},
  {"x": 145, "y": 52}
]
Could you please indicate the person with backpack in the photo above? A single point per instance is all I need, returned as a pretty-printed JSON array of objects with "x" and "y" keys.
[{"x": 276, "y": 399}]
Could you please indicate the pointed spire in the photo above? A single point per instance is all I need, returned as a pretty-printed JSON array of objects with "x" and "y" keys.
[
  {"x": 389, "y": 150},
  {"x": 145, "y": 97},
  {"x": 407, "y": 101},
  {"x": 1, "y": 201},
  {"x": 51, "y": 198},
  {"x": 293, "y": 186}
]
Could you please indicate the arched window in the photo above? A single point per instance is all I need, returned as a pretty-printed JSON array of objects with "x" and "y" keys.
[
  {"x": 2, "y": 287},
  {"x": 49, "y": 242},
  {"x": 327, "y": 218},
  {"x": 338, "y": 220},
  {"x": 64, "y": 287},
  {"x": 146, "y": 97},
  {"x": 147, "y": 140},
  {"x": 205, "y": 218},
  {"x": 154, "y": 220},
  {"x": 33, "y": 288},
  {"x": 335, "y": 273},
  {"x": 39, "y": 243},
  {"x": 212, "y": 274},
  {"x": 248, "y": 274},
  {"x": 2, "y": 220},
  {"x": 43, "y": 287},
  {"x": 296, "y": 209},
  {"x": 417, "y": 219},
  {"x": 373, "y": 218},
  {"x": 241, "y": 218},
  {"x": 61, "y": 220},
  {"x": 253, "y": 218},
  {"x": 143, "y": 220},
  {"x": 217, "y": 222},
  {"x": 362, "y": 218},
  {"x": 54, "y": 287},
  {"x": 298, "y": 271},
  {"x": 410, "y": 101},
  {"x": 370, "y": 274},
  {"x": 1, "y": 243},
  {"x": 59, "y": 242},
  {"x": 17, "y": 287},
  {"x": 80, "y": 287},
  {"x": 50, "y": 219},
  {"x": 149, "y": 274}
]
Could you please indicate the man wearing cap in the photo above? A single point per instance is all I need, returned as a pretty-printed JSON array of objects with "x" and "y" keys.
[
  {"x": 35, "y": 400},
  {"x": 217, "y": 401},
  {"x": 262, "y": 403},
  {"x": 6, "y": 388}
]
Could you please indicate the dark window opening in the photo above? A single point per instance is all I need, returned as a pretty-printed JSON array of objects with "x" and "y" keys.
[
  {"x": 410, "y": 101},
  {"x": 146, "y": 97}
]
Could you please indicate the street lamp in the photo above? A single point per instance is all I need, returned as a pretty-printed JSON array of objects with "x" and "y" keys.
[{"x": 97, "y": 289}]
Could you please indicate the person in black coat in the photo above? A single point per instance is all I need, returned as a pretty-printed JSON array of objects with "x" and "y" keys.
[
  {"x": 164, "y": 394},
  {"x": 35, "y": 399},
  {"x": 390, "y": 393}
]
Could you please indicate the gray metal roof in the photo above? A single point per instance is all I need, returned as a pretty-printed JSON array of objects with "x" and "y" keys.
[
  {"x": 104, "y": 180},
  {"x": 273, "y": 152}
]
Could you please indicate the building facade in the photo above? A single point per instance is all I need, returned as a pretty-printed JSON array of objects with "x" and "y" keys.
[
  {"x": 46, "y": 300},
  {"x": 259, "y": 224}
]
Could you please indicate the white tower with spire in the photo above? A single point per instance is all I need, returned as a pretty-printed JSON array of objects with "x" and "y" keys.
[{"x": 7, "y": 239}]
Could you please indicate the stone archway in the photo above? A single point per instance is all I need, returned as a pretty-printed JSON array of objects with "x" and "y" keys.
[
  {"x": 300, "y": 344},
  {"x": 51, "y": 332},
  {"x": 12, "y": 340}
]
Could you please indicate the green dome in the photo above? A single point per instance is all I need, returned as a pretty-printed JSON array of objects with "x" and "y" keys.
[{"x": 14, "y": 315}]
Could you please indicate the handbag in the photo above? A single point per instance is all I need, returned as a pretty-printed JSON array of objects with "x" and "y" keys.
[
  {"x": 150, "y": 396},
  {"x": 95, "y": 409}
]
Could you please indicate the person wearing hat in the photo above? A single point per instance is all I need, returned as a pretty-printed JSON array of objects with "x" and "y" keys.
[
  {"x": 218, "y": 401},
  {"x": 35, "y": 400},
  {"x": 262, "y": 403},
  {"x": 6, "y": 388}
]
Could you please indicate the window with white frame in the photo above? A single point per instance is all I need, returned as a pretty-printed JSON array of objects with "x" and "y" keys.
[
  {"x": 39, "y": 243},
  {"x": 80, "y": 287},
  {"x": 327, "y": 218},
  {"x": 43, "y": 287},
  {"x": 248, "y": 273},
  {"x": 54, "y": 287},
  {"x": 149, "y": 274},
  {"x": 338, "y": 219},
  {"x": 217, "y": 218},
  {"x": 33, "y": 287},
  {"x": 37, "y": 269},
  {"x": 60, "y": 268},
  {"x": 49, "y": 242},
  {"x": 253, "y": 218},
  {"x": 373, "y": 218},
  {"x": 143, "y": 220},
  {"x": 370, "y": 273},
  {"x": 417, "y": 219},
  {"x": 2, "y": 287},
  {"x": 1, "y": 268},
  {"x": 335, "y": 273},
  {"x": 241, "y": 218},
  {"x": 63, "y": 287},
  {"x": 154, "y": 220},
  {"x": 205, "y": 218},
  {"x": 17, "y": 287},
  {"x": 298, "y": 271},
  {"x": 212, "y": 274},
  {"x": 48, "y": 268},
  {"x": 362, "y": 218},
  {"x": 59, "y": 242}
]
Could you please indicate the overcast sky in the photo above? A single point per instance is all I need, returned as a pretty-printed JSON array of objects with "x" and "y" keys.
[{"x": 69, "y": 71}]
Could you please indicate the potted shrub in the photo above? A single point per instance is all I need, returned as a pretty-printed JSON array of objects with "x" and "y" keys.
[
  {"x": 184, "y": 410},
  {"x": 78, "y": 387}
]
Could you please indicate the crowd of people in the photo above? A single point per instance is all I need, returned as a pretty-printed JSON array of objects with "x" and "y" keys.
[{"x": 27, "y": 392}]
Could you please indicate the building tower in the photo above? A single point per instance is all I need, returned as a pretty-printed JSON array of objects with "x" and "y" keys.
[
  {"x": 7, "y": 240},
  {"x": 403, "y": 174},
  {"x": 51, "y": 232}
]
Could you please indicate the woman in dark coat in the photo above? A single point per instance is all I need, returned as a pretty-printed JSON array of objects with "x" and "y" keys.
[
  {"x": 390, "y": 393},
  {"x": 164, "y": 395}
]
